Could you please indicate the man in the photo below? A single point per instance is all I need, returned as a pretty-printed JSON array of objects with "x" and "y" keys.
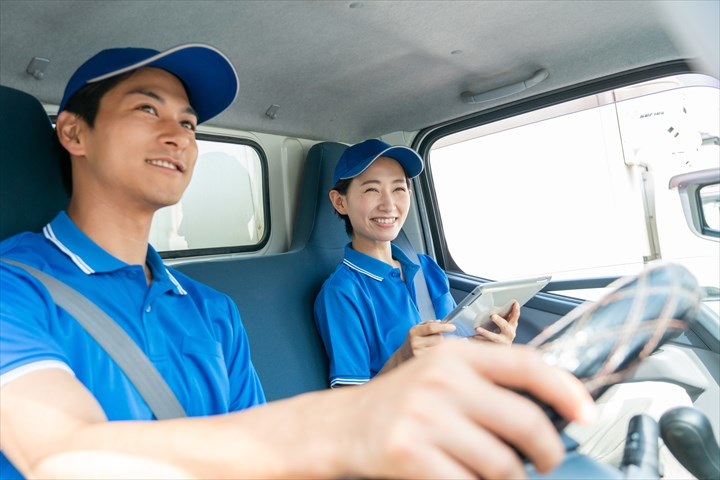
[{"x": 127, "y": 120}]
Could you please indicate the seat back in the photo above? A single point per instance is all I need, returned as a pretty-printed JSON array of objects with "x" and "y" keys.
[
  {"x": 316, "y": 223},
  {"x": 31, "y": 188}
]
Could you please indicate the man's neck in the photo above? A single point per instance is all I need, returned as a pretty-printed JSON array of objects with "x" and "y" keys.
[{"x": 121, "y": 232}]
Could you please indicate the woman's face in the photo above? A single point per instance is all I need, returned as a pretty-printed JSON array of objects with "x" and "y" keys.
[{"x": 376, "y": 202}]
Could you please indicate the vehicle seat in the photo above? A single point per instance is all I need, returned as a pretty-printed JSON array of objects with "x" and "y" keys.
[
  {"x": 31, "y": 188},
  {"x": 317, "y": 226}
]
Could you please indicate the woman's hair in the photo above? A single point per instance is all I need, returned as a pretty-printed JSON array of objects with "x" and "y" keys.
[
  {"x": 85, "y": 104},
  {"x": 342, "y": 187}
]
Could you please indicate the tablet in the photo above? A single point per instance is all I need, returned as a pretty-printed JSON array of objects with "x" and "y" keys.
[{"x": 492, "y": 297}]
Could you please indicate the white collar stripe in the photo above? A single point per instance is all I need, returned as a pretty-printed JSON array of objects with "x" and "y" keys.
[
  {"x": 360, "y": 270},
  {"x": 50, "y": 235},
  {"x": 176, "y": 283}
]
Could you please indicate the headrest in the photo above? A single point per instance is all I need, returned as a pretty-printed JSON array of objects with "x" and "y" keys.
[
  {"x": 316, "y": 223},
  {"x": 31, "y": 188}
]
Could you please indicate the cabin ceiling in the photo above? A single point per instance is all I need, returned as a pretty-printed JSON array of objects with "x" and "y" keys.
[{"x": 347, "y": 70}]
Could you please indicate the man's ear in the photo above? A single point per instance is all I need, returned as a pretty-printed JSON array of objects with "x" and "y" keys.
[
  {"x": 69, "y": 127},
  {"x": 338, "y": 201}
]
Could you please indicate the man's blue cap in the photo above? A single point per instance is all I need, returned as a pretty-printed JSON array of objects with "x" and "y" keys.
[
  {"x": 208, "y": 75},
  {"x": 357, "y": 158}
]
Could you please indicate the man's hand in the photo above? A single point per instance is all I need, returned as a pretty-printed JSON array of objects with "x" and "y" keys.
[{"x": 453, "y": 413}]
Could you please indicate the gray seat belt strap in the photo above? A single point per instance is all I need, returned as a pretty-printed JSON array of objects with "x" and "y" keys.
[
  {"x": 422, "y": 295},
  {"x": 113, "y": 339}
]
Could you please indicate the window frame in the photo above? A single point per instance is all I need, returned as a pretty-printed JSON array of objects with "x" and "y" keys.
[
  {"x": 431, "y": 221},
  {"x": 211, "y": 251}
]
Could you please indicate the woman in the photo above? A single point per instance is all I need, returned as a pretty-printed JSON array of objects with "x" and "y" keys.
[{"x": 366, "y": 310}]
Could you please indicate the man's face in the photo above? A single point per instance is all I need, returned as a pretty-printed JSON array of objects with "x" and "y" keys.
[{"x": 141, "y": 151}]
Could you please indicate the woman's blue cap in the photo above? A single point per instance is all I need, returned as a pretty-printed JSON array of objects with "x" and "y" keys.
[
  {"x": 357, "y": 158},
  {"x": 209, "y": 77}
]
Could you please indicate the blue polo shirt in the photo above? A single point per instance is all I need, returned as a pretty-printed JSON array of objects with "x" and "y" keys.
[
  {"x": 192, "y": 333},
  {"x": 365, "y": 310}
]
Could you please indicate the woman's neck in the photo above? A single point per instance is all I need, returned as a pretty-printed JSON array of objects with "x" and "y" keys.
[{"x": 379, "y": 250}]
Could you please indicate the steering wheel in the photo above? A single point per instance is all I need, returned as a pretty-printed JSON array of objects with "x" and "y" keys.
[{"x": 602, "y": 342}]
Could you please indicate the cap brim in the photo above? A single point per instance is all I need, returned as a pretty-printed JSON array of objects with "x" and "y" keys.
[
  {"x": 209, "y": 76},
  {"x": 411, "y": 162}
]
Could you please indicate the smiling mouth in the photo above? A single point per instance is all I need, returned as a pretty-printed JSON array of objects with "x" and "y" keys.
[
  {"x": 165, "y": 164},
  {"x": 385, "y": 220}
]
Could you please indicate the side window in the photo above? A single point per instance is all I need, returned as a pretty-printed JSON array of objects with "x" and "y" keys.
[
  {"x": 710, "y": 203},
  {"x": 224, "y": 207},
  {"x": 581, "y": 189}
]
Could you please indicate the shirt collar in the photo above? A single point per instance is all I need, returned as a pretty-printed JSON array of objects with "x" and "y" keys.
[
  {"x": 377, "y": 269},
  {"x": 70, "y": 240}
]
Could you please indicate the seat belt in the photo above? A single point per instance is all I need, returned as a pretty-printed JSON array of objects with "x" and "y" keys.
[
  {"x": 422, "y": 295},
  {"x": 115, "y": 341}
]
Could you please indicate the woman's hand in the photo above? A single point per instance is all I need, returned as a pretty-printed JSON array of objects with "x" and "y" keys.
[
  {"x": 426, "y": 335},
  {"x": 507, "y": 327},
  {"x": 419, "y": 339}
]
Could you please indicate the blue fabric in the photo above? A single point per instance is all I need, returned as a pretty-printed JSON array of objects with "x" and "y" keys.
[
  {"x": 365, "y": 310},
  {"x": 192, "y": 333}
]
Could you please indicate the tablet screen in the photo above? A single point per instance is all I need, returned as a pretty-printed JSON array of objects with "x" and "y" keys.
[{"x": 492, "y": 297}]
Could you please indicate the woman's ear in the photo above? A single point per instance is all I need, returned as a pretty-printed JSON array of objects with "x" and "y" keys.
[
  {"x": 338, "y": 201},
  {"x": 69, "y": 127}
]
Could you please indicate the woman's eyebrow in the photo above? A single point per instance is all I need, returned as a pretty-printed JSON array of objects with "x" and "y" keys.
[
  {"x": 149, "y": 93},
  {"x": 373, "y": 181},
  {"x": 365, "y": 182}
]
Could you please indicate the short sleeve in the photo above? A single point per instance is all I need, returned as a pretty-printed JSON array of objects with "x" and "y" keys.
[
  {"x": 26, "y": 311},
  {"x": 339, "y": 314}
]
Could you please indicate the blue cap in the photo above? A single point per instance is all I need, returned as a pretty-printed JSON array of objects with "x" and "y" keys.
[
  {"x": 208, "y": 75},
  {"x": 357, "y": 158}
]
